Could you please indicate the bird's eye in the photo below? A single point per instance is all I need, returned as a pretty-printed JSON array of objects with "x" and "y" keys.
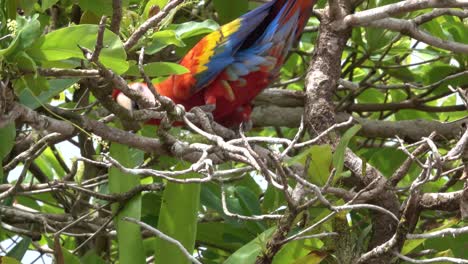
[{"x": 135, "y": 105}]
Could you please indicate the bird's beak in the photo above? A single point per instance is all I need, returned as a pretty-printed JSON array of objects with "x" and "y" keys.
[
  {"x": 131, "y": 105},
  {"x": 125, "y": 102}
]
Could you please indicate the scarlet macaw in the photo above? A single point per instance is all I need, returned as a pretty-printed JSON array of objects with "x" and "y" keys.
[{"x": 232, "y": 65}]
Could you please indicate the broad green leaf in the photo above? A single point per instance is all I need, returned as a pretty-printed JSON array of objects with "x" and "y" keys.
[
  {"x": 99, "y": 7},
  {"x": 152, "y": 4},
  {"x": 434, "y": 28},
  {"x": 250, "y": 205},
  {"x": 89, "y": 17},
  {"x": 52, "y": 47},
  {"x": 314, "y": 257},
  {"x": 8, "y": 260},
  {"x": 248, "y": 199},
  {"x": 192, "y": 29},
  {"x": 456, "y": 244},
  {"x": 20, "y": 249},
  {"x": 162, "y": 39},
  {"x": 25, "y": 62},
  {"x": 10, "y": 9},
  {"x": 42, "y": 163},
  {"x": 28, "y": 32},
  {"x": 210, "y": 198},
  {"x": 386, "y": 159},
  {"x": 248, "y": 253},
  {"x": 237, "y": 204},
  {"x": 130, "y": 243},
  {"x": 410, "y": 245},
  {"x": 320, "y": 162},
  {"x": 230, "y": 10},
  {"x": 7, "y": 136},
  {"x": 158, "y": 69},
  {"x": 92, "y": 258},
  {"x": 445, "y": 253},
  {"x": 378, "y": 38},
  {"x": 48, "y": 3},
  {"x": 403, "y": 74},
  {"x": 272, "y": 199},
  {"x": 178, "y": 219},
  {"x": 338, "y": 156},
  {"x": 223, "y": 235},
  {"x": 295, "y": 251},
  {"x": 35, "y": 83},
  {"x": 69, "y": 258},
  {"x": 52, "y": 161},
  {"x": 56, "y": 86},
  {"x": 26, "y": 5}
]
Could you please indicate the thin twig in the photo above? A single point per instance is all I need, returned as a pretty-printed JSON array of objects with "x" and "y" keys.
[{"x": 164, "y": 237}]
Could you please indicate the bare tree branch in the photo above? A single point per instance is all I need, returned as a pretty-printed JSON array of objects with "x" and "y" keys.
[
  {"x": 374, "y": 14},
  {"x": 164, "y": 237},
  {"x": 151, "y": 22},
  {"x": 410, "y": 29}
]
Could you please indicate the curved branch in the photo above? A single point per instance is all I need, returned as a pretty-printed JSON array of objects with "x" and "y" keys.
[
  {"x": 409, "y": 130},
  {"x": 370, "y": 15},
  {"x": 410, "y": 29},
  {"x": 44, "y": 123}
]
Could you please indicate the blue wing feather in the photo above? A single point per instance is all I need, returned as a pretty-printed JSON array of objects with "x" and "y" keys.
[
  {"x": 279, "y": 34},
  {"x": 227, "y": 47}
]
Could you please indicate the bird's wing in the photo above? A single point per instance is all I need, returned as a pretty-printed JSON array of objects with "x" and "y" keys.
[
  {"x": 269, "y": 49},
  {"x": 217, "y": 50}
]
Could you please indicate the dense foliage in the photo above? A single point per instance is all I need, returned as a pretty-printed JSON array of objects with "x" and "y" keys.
[{"x": 86, "y": 181}]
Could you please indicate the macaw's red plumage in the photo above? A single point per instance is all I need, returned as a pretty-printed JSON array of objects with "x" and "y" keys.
[{"x": 232, "y": 65}]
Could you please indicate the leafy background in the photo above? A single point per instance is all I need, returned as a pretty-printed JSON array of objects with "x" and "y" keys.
[{"x": 47, "y": 35}]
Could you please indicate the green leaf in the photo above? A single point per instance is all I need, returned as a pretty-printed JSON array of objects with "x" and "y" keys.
[
  {"x": 192, "y": 29},
  {"x": 248, "y": 253},
  {"x": 248, "y": 200},
  {"x": 378, "y": 38},
  {"x": 178, "y": 219},
  {"x": 26, "y": 5},
  {"x": 338, "y": 156},
  {"x": 225, "y": 236},
  {"x": 151, "y": 4},
  {"x": 10, "y": 9},
  {"x": 412, "y": 244},
  {"x": 25, "y": 62},
  {"x": 48, "y": 3},
  {"x": 70, "y": 258},
  {"x": 403, "y": 74},
  {"x": 36, "y": 83},
  {"x": 28, "y": 32},
  {"x": 99, "y": 7},
  {"x": 314, "y": 257},
  {"x": 8, "y": 260},
  {"x": 272, "y": 199},
  {"x": 158, "y": 69},
  {"x": 7, "y": 135},
  {"x": 321, "y": 160},
  {"x": 210, "y": 198},
  {"x": 129, "y": 239},
  {"x": 20, "y": 249},
  {"x": 250, "y": 205},
  {"x": 230, "y": 10},
  {"x": 91, "y": 257},
  {"x": 56, "y": 86},
  {"x": 52, "y": 47},
  {"x": 162, "y": 39},
  {"x": 292, "y": 251}
]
